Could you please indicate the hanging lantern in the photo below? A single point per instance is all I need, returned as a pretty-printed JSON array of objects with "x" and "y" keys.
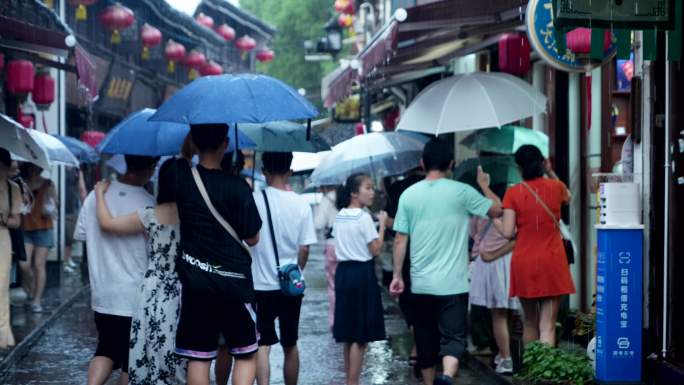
[
  {"x": 43, "y": 94},
  {"x": 245, "y": 44},
  {"x": 210, "y": 68},
  {"x": 25, "y": 120},
  {"x": 265, "y": 55},
  {"x": 514, "y": 53},
  {"x": 344, "y": 6},
  {"x": 174, "y": 52},
  {"x": 205, "y": 20},
  {"x": 117, "y": 18},
  {"x": 226, "y": 32},
  {"x": 579, "y": 40},
  {"x": 92, "y": 138},
  {"x": 81, "y": 10},
  {"x": 20, "y": 77},
  {"x": 194, "y": 61},
  {"x": 151, "y": 37},
  {"x": 345, "y": 20}
]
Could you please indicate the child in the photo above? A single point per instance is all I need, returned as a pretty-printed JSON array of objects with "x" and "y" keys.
[{"x": 358, "y": 306}]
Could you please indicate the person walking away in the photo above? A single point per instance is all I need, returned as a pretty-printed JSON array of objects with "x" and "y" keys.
[
  {"x": 10, "y": 218},
  {"x": 116, "y": 265},
  {"x": 358, "y": 306},
  {"x": 153, "y": 327},
  {"x": 324, "y": 219},
  {"x": 39, "y": 235},
  {"x": 76, "y": 193},
  {"x": 284, "y": 241},
  {"x": 490, "y": 279},
  {"x": 540, "y": 274},
  {"x": 217, "y": 213},
  {"x": 435, "y": 214}
]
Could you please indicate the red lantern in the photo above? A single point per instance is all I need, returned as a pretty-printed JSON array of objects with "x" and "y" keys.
[
  {"x": 174, "y": 52},
  {"x": 93, "y": 138},
  {"x": 211, "y": 68},
  {"x": 205, "y": 20},
  {"x": 245, "y": 44},
  {"x": 195, "y": 60},
  {"x": 344, "y": 6},
  {"x": 226, "y": 32},
  {"x": 345, "y": 20},
  {"x": 20, "y": 77},
  {"x": 81, "y": 10},
  {"x": 151, "y": 37},
  {"x": 43, "y": 90},
  {"x": 579, "y": 40},
  {"x": 265, "y": 55},
  {"x": 359, "y": 129},
  {"x": 25, "y": 120},
  {"x": 514, "y": 53},
  {"x": 116, "y": 18}
]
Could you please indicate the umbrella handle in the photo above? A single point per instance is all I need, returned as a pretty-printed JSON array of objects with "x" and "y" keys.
[
  {"x": 308, "y": 130},
  {"x": 237, "y": 145}
]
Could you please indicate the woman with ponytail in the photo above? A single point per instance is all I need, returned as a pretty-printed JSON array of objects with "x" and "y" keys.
[
  {"x": 358, "y": 306},
  {"x": 540, "y": 274}
]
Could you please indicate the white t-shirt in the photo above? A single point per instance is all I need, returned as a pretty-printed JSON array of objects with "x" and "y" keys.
[
  {"x": 353, "y": 231},
  {"x": 324, "y": 216},
  {"x": 116, "y": 263},
  {"x": 293, "y": 226}
]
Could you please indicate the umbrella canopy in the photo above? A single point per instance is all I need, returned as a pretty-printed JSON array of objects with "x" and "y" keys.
[
  {"x": 243, "y": 98},
  {"x": 502, "y": 170},
  {"x": 376, "y": 154},
  {"x": 471, "y": 102},
  {"x": 136, "y": 135},
  {"x": 306, "y": 161},
  {"x": 283, "y": 136},
  {"x": 81, "y": 150},
  {"x": 507, "y": 140},
  {"x": 17, "y": 140},
  {"x": 57, "y": 152}
]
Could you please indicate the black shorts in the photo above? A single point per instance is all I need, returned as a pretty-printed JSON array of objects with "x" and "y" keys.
[
  {"x": 440, "y": 327},
  {"x": 113, "y": 336},
  {"x": 206, "y": 316},
  {"x": 274, "y": 304}
]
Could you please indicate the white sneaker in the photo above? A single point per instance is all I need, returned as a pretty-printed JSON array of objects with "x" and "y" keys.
[
  {"x": 497, "y": 359},
  {"x": 505, "y": 366}
]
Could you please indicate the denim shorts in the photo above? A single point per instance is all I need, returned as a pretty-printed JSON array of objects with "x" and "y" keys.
[{"x": 40, "y": 238}]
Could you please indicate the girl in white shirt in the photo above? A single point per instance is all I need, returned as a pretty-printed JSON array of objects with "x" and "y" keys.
[{"x": 358, "y": 306}]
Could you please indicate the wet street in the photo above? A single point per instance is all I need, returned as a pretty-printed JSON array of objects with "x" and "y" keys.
[{"x": 61, "y": 355}]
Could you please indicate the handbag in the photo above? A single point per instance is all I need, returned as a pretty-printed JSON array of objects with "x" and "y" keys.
[
  {"x": 566, "y": 235},
  {"x": 215, "y": 213},
  {"x": 16, "y": 235},
  {"x": 289, "y": 276}
]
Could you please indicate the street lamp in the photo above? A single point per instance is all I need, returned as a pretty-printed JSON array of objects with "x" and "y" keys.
[{"x": 332, "y": 42}]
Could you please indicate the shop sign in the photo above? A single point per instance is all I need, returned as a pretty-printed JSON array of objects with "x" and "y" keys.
[
  {"x": 622, "y": 14},
  {"x": 116, "y": 91},
  {"x": 544, "y": 36}
]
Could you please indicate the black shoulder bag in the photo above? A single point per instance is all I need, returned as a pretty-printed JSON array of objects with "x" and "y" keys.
[{"x": 16, "y": 235}]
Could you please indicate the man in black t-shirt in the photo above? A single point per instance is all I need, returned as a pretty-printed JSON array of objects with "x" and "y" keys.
[{"x": 214, "y": 269}]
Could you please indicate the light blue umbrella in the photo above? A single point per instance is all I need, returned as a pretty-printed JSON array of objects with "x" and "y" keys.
[
  {"x": 136, "y": 135},
  {"x": 242, "y": 98},
  {"x": 283, "y": 136},
  {"x": 81, "y": 150}
]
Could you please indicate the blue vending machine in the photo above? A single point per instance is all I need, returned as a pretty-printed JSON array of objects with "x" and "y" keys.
[{"x": 619, "y": 297}]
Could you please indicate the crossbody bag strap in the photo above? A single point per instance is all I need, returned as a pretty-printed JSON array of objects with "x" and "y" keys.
[
  {"x": 541, "y": 202},
  {"x": 270, "y": 228},
  {"x": 214, "y": 212},
  {"x": 486, "y": 229}
]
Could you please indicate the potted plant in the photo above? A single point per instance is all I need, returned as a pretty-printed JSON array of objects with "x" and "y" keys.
[{"x": 546, "y": 365}]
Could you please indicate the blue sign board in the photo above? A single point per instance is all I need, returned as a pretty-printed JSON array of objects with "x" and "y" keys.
[
  {"x": 542, "y": 35},
  {"x": 619, "y": 305}
]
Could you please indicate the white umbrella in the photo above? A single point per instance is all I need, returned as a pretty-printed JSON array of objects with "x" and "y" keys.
[
  {"x": 378, "y": 154},
  {"x": 305, "y": 161},
  {"x": 57, "y": 152},
  {"x": 471, "y": 102},
  {"x": 17, "y": 140}
]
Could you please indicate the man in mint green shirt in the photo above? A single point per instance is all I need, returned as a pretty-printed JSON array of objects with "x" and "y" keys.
[{"x": 435, "y": 213}]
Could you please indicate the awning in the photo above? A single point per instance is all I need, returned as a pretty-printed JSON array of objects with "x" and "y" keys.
[
  {"x": 380, "y": 48},
  {"x": 337, "y": 85}
]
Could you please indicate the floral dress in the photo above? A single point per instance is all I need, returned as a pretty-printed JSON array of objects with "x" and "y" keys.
[{"x": 153, "y": 330}]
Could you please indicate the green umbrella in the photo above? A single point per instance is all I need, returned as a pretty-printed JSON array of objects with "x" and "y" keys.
[
  {"x": 283, "y": 136},
  {"x": 502, "y": 170},
  {"x": 507, "y": 140}
]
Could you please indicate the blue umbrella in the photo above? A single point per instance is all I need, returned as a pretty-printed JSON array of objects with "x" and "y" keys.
[
  {"x": 136, "y": 135},
  {"x": 243, "y": 98},
  {"x": 81, "y": 150}
]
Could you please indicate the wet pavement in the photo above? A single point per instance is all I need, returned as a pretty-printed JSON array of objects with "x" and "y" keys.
[{"x": 61, "y": 355}]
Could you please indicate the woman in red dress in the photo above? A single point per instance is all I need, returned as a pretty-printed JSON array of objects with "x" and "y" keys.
[{"x": 539, "y": 269}]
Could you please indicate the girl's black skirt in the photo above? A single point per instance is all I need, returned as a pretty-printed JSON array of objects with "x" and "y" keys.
[{"x": 358, "y": 306}]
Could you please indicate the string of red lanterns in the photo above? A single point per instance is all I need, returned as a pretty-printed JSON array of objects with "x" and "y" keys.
[
  {"x": 346, "y": 10},
  {"x": 117, "y": 18}
]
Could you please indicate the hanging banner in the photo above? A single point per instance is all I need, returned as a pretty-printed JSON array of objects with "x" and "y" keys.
[{"x": 544, "y": 38}]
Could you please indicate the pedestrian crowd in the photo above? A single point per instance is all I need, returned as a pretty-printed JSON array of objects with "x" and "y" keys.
[{"x": 211, "y": 270}]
